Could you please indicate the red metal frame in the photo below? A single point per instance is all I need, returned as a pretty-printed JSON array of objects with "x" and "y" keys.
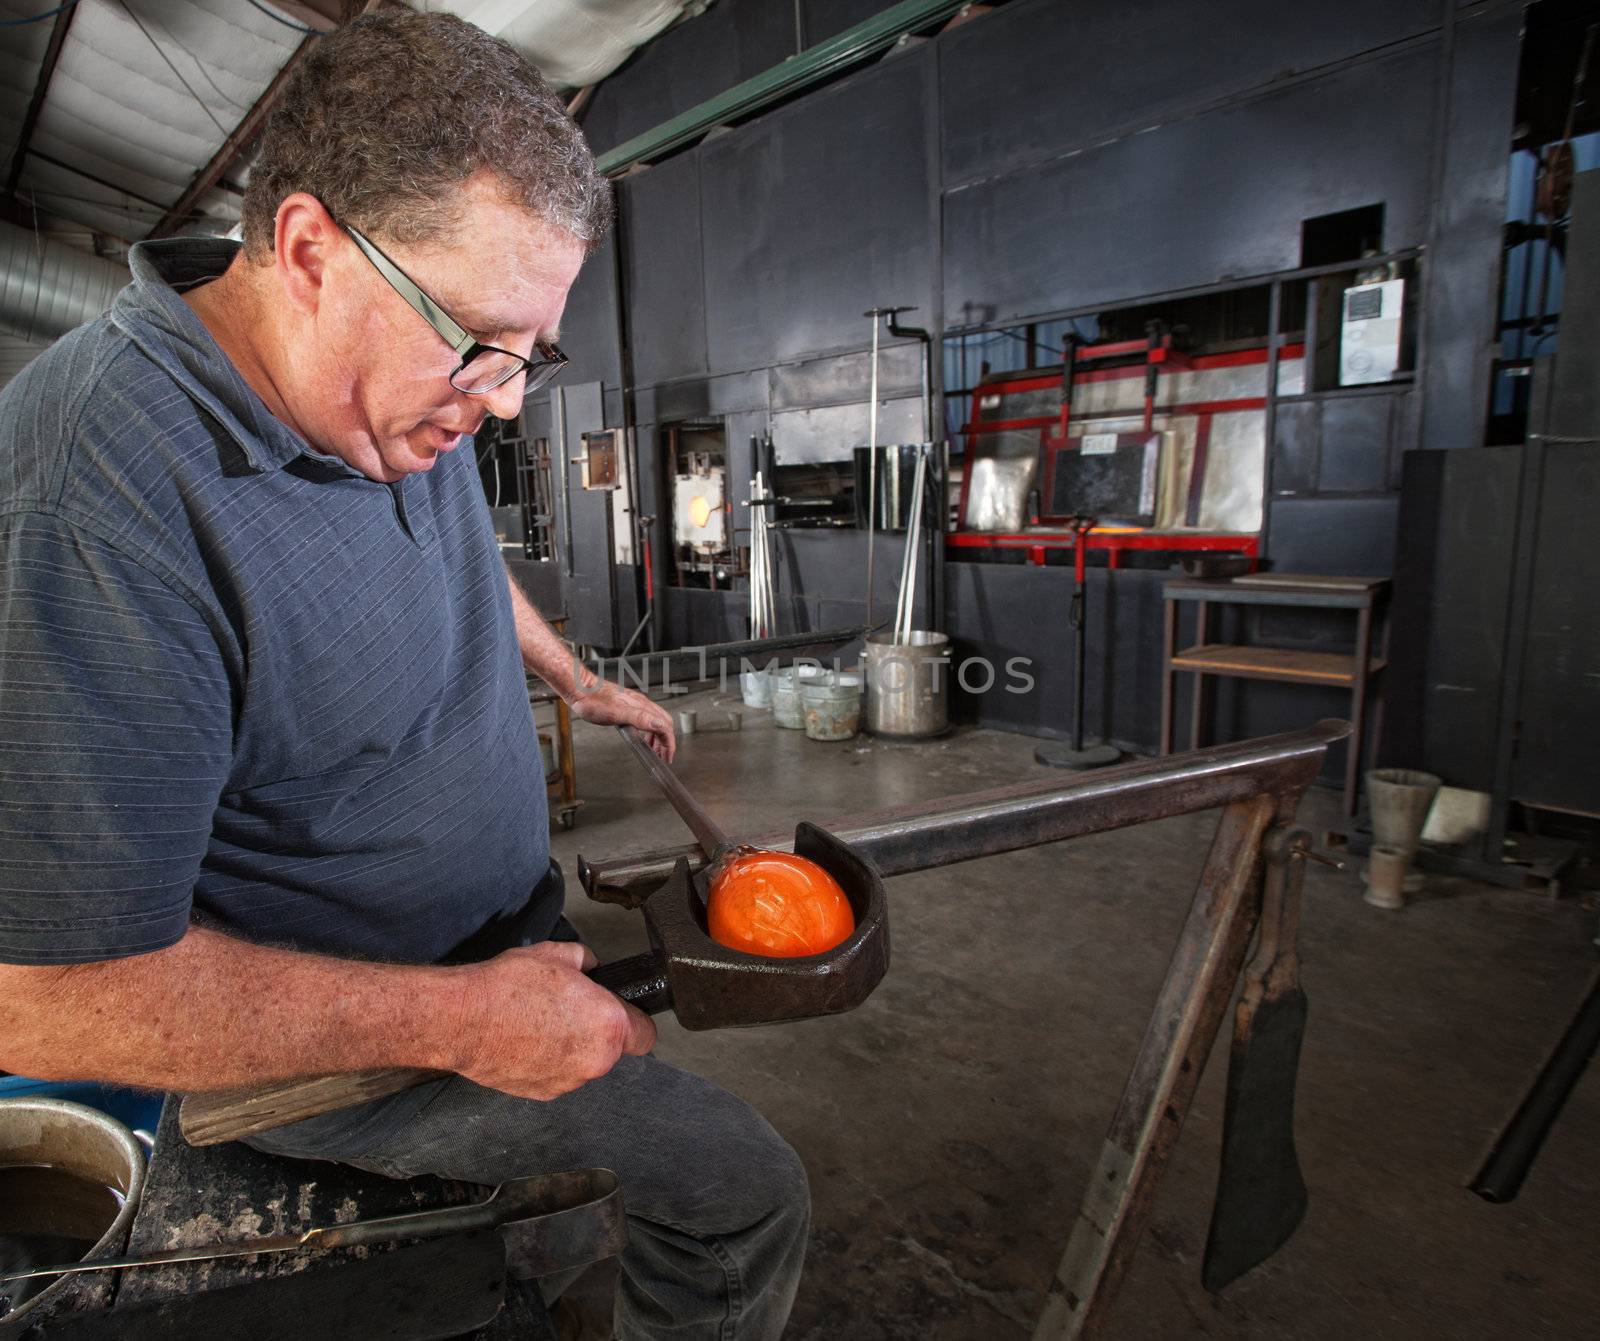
[
  {"x": 1113, "y": 540},
  {"x": 1176, "y": 362},
  {"x": 1157, "y": 358}
]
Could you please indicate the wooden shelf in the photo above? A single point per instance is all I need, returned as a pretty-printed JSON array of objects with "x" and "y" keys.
[{"x": 1272, "y": 663}]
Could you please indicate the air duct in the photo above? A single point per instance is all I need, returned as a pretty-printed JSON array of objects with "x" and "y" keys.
[{"x": 47, "y": 288}]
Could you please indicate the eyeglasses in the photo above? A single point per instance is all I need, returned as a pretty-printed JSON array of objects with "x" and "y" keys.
[{"x": 482, "y": 367}]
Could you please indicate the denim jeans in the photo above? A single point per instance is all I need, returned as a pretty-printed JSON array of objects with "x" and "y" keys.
[{"x": 717, "y": 1201}]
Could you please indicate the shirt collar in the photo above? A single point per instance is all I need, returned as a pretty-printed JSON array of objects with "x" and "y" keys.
[{"x": 152, "y": 313}]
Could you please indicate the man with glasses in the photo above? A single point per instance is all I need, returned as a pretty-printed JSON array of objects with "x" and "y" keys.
[{"x": 270, "y": 794}]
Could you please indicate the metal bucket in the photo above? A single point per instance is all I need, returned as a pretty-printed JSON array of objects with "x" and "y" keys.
[
  {"x": 96, "y": 1149},
  {"x": 908, "y": 684},
  {"x": 786, "y": 708},
  {"x": 755, "y": 687},
  {"x": 832, "y": 706}
]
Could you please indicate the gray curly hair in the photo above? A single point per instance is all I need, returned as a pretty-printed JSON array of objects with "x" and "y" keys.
[{"x": 387, "y": 114}]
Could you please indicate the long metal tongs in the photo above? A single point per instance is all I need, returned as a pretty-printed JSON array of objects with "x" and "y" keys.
[{"x": 548, "y": 1218}]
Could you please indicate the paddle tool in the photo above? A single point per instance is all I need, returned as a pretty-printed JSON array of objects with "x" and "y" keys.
[{"x": 1261, "y": 1193}]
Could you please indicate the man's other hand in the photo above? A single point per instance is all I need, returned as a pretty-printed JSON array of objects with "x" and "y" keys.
[
  {"x": 610, "y": 704},
  {"x": 536, "y": 1026}
]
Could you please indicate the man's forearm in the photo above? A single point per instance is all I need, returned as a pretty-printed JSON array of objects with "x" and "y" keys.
[
  {"x": 543, "y": 652},
  {"x": 212, "y": 1012}
]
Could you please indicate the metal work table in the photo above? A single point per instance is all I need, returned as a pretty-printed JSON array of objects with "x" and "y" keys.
[{"x": 1357, "y": 670}]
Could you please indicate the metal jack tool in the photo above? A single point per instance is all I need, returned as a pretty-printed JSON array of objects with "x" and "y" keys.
[
  {"x": 706, "y": 985},
  {"x": 1259, "y": 784},
  {"x": 711, "y": 986}
]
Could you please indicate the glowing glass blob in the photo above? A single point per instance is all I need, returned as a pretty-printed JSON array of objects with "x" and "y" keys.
[{"x": 777, "y": 904}]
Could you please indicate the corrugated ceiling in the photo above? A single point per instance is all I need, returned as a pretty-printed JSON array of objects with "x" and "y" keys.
[
  {"x": 145, "y": 92},
  {"x": 143, "y": 95}
]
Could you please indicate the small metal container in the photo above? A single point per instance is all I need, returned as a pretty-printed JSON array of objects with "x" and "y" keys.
[
  {"x": 908, "y": 684},
  {"x": 755, "y": 687},
  {"x": 786, "y": 707},
  {"x": 832, "y": 705},
  {"x": 77, "y": 1140}
]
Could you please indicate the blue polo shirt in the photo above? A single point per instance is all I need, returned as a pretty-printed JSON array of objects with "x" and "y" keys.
[{"x": 239, "y": 681}]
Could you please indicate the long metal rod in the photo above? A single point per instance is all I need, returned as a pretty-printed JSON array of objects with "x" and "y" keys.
[
  {"x": 872, "y": 461},
  {"x": 705, "y": 829},
  {"x": 908, "y": 570},
  {"x": 855, "y": 44},
  {"x": 1518, "y": 1144},
  {"x": 959, "y": 828},
  {"x": 563, "y": 465}
]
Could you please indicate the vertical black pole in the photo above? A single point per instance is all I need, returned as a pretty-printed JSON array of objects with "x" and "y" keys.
[{"x": 1075, "y": 618}]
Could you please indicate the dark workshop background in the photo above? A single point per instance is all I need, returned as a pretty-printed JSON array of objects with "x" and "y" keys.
[{"x": 1040, "y": 159}]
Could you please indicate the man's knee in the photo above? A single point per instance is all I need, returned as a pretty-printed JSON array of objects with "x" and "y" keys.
[{"x": 785, "y": 1190}]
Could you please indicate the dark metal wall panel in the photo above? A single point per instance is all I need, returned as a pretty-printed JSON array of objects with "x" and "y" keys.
[
  {"x": 701, "y": 397},
  {"x": 1575, "y": 392},
  {"x": 832, "y": 432},
  {"x": 1041, "y": 77},
  {"x": 1214, "y": 197},
  {"x": 815, "y": 213},
  {"x": 697, "y": 618},
  {"x": 1351, "y": 536},
  {"x": 1002, "y": 612},
  {"x": 764, "y": 34},
  {"x": 822, "y": 19},
  {"x": 840, "y": 378},
  {"x": 1468, "y": 586},
  {"x": 1462, "y": 272},
  {"x": 1355, "y": 443},
  {"x": 590, "y": 336},
  {"x": 1401, "y": 743},
  {"x": 1298, "y": 437},
  {"x": 832, "y": 564},
  {"x": 670, "y": 74},
  {"x": 1558, "y": 751},
  {"x": 591, "y": 589},
  {"x": 663, "y": 275}
]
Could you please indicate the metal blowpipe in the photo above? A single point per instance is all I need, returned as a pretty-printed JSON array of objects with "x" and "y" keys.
[{"x": 707, "y": 832}]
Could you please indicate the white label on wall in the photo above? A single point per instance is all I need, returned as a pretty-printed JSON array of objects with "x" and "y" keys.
[{"x": 1098, "y": 444}]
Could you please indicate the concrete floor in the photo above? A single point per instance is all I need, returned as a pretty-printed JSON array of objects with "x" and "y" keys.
[{"x": 948, "y": 1125}]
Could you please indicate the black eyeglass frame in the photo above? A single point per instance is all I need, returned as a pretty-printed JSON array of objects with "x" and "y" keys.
[{"x": 467, "y": 347}]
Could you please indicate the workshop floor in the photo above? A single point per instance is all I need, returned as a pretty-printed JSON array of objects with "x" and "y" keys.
[{"x": 949, "y": 1124}]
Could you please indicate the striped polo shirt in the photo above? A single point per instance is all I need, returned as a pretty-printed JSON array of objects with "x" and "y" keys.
[{"x": 240, "y": 682}]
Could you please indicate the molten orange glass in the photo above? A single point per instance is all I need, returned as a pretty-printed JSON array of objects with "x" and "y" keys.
[{"x": 777, "y": 904}]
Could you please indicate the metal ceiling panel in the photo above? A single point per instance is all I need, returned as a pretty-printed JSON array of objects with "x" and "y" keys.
[
  {"x": 96, "y": 207},
  {"x": 22, "y": 54},
  {"x": 143, "y": 95}
]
